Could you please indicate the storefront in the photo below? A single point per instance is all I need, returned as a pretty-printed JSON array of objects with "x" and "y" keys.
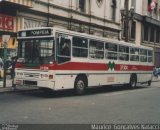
[
  {"x": 10, "y": 23},
  {"x": 7, "y": 24}
]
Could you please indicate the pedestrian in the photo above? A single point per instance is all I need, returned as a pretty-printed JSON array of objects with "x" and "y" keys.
[
  {"x": 12, "y": 71},
  {"x": 1, "y": 68}
]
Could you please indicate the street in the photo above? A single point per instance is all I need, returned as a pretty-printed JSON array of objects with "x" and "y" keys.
[{"x": 107, "y": 105}]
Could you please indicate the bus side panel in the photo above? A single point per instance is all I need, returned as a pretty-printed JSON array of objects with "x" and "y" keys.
[
  {"x": 97, "y": 79},
  {"x": 144, "y": 77},
  {"x": 107, "y": 79},
  {"x": 64, "y": 80},
  {"x": 123, "y": 78},
  {"x": 141, "y": 78}
]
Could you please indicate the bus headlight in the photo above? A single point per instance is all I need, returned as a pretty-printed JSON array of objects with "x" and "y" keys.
[{"x": 46, "y": 76}]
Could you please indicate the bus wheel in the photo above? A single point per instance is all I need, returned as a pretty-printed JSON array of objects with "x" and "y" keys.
[
  {"x": 149, "y": 83},
  {"x": 133, "y": 81},
  {"x": 80, "y": 85}
]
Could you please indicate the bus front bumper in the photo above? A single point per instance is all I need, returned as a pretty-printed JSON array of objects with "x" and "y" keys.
[{"x": 40, "y": 83}]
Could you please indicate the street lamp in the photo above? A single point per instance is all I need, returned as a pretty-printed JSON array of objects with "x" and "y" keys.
[{"x": 127, "y": 15}]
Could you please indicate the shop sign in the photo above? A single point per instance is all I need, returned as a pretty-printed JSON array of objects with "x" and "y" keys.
[
  {"x": 33, "y": 33},
  {"x": 6, "y": 22}
]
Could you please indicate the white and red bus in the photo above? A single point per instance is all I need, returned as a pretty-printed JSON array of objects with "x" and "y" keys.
[{"x": 61, "y": 59}]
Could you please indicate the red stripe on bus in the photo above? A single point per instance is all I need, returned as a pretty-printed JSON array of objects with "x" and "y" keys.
[
  {"x": 92, "y": 66},
  {"x": 101, "y": 67},
  {"x": 124, "y": 67},
  {"x": 82, "y": 66}
]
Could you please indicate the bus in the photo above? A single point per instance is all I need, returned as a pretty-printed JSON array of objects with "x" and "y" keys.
[{"x": 57, "y": 59}]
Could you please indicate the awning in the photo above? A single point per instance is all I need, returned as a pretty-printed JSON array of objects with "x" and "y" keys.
[
  {"x": 151, "y": 20},
  {"x": 10, "y": 7},
  {"x": 18, "y": 3}
]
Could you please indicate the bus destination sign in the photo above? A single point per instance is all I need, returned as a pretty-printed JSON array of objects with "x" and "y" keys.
[{"x": 33, "y": 33}]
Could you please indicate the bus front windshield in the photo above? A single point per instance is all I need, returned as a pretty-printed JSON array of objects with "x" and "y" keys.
[{"x": 37, "y": 51}]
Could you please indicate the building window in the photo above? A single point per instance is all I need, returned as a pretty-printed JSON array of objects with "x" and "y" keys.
[
  {"x": 149, "y": 5},
  {"x": 113, "y": 5},
  {"x": 133, "y": 30},
  {"x": 152, "y": 6},
  {"x": 124, "y": 29},
  {"x": 158, "y": 35},
  {"x": 152, "y": 34},
  {"x": 82, "y": 5},
  {"x": 145, "y": 32}
]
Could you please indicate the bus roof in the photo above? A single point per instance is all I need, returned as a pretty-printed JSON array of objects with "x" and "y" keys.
[{"x": 99, "y": 38}]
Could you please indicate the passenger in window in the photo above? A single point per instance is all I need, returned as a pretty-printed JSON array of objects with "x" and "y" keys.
[{"x": 66, "y": 48}]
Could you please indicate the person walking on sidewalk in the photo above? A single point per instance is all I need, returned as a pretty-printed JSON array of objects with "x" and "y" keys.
[
  {"x": 12, "y": 71},
  {"x": 1, "y": 68}
]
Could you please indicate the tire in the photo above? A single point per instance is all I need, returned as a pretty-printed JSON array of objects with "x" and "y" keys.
[
  {"x": 133, "y": 81},
  {"x": 80, "y": 85},
  {"x": 149, "y": 83}
]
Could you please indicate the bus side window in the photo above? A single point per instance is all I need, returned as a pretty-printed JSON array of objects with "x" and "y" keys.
[
  {"x": 111, "y": 51},
  {"x": 150, "y": 56},
  {"x": 143, "y": 55},
  {"x": 80, "y": 47},
  {"x": 123, "y": 53},
  {"x": 63, "y": 49},
  {"x": 134, "y": 54},
  {"x": 96, "y": 49},
  {"x": 66, "y": 47}
]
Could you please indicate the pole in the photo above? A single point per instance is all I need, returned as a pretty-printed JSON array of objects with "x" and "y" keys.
[
  {"x": 90, "y": 16},
  {"x": 48, "y": 15},
  {"x": 126, "y": 20},
  {"x": 5, "y": 59}
]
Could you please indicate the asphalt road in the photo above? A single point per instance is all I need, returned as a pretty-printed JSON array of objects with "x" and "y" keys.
[{"x": 100, "y": 105}]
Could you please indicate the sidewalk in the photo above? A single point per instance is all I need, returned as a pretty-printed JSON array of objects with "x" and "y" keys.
[{"x": 9, "y": 89}]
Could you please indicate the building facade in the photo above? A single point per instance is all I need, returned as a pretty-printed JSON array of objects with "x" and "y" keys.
[
  {"x": 151, "y": 27},
  {"x": 144, "y": 24},
  {"x": 99, "y": 17},
  {"x": 92, "y": 17},
  {"x": 10, "y": 22}
]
